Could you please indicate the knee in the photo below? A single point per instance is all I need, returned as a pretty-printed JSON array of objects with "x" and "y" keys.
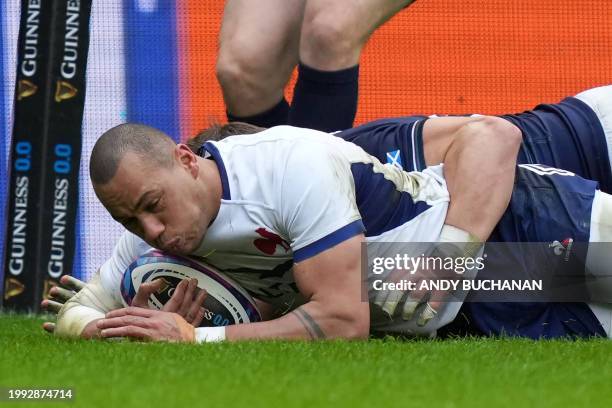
[
  {"x": 236, "y": 68},
  {"x": 329, "y": 40},
  {"x": 253, "y": 73}
]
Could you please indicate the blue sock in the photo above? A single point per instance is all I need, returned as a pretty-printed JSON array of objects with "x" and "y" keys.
[
  {"x": 277, "y": 115},
  {"x": 325, "y": 100}
]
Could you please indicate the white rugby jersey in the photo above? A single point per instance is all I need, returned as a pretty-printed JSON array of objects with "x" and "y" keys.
[{"x": 290, "y": 193}]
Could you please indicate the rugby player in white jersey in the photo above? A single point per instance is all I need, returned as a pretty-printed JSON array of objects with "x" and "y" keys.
[
  {"x": 431, "y": 194},
  {"x": 294, "y": 184}
]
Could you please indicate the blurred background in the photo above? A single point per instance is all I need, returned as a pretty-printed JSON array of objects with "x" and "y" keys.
[{"x": 152, "y": 61}]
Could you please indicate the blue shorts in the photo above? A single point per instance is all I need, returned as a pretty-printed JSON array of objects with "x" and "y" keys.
[{"x": 546, "y": 206}]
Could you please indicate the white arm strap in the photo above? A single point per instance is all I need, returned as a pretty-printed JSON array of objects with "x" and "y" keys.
[{"x": 209, "y": 334}]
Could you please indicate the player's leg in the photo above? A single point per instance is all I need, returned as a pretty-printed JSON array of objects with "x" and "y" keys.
[
  {"x": 332, "y": 37},
  {"x": 258, "y": 49}
]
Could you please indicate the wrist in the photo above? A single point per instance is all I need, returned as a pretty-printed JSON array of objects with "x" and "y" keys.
[
  {"x": 467, "y": 243},
  {"x": 450, "y": 233},
  {"x": 209, "y": 334}
]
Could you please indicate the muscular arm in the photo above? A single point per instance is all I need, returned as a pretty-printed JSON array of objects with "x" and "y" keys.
[
  {"x": 479, "y": 156},
  {"x": 331, "y": 281}
]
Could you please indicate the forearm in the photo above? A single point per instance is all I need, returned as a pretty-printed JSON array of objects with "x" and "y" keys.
[
  {"x": 479, "y": 168},
  {"x": 311, "y": 321}
]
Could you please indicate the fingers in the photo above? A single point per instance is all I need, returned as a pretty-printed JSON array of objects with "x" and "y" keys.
[
  {"x": 126, "y": 331},
  {"x": 144, "y": 292},
  {"x": 188, "y": 298},
  {"x": 196, "y": 311},
  {"x": 122, "y": 321},
  {"x": 197, "y": 320},
  {"x": 424, "y": 312},
  {"x": 426, "y": 315},
  {"x": 49, "y": 327},
  {"x": 438, "y": 298},
  {"x": 51, "y": 306},
  {"x": 133, "y": 311},
  {"x": 72, "y": 283},
  {"x": 388, "y": 300},
  {"x": 410, "y": 306},
  {"x": 157, "y": 325},
  {"x": 176, "y": 301},
  {"x": 201, "y": 297},
  {"x": 419, "y": 303},
  {"x": 434, "y": 305},
  {"x": 61, "y": 294}
]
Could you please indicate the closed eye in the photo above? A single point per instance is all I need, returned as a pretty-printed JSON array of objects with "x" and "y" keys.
[{"x": 153, "y": 206}]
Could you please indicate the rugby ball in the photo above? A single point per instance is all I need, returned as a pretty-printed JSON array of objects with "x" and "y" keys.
[{"x": 226, "y": 304}]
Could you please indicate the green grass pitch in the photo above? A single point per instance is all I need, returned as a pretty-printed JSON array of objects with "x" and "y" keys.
[{"x": 376, "y": 373}]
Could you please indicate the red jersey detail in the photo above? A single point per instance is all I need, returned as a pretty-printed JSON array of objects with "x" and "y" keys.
[{"x": 268, "y": 243}]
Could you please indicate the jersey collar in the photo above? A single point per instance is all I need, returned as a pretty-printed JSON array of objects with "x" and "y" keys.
[{"x": 210, "y": 151}]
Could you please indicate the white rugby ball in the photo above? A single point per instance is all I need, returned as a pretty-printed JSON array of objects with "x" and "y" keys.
[{"x": 226, "y": 303}]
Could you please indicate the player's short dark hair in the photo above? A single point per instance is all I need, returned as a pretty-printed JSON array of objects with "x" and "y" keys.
[
  {"x": 145, "y": 141},
  {"x": 218, "y": 132}
]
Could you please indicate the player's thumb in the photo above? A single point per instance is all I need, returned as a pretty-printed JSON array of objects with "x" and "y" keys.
[{"x": 144, "y": 291}]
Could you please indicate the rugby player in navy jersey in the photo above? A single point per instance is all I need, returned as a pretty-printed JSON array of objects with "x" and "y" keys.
[
  {"x": 332, "y": 197},
  {"x": 574, "y": 134}
]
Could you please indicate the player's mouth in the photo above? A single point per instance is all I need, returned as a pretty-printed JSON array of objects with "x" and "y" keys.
[{"x": 173, "y": 245}]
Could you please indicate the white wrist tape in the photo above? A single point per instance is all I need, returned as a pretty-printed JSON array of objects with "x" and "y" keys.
[
  {"x": 209, "y": 334},
  {"x": 467, "y": 244},
  {"x": 91, "y": 303},
  {"x": 454, "y": 234}
]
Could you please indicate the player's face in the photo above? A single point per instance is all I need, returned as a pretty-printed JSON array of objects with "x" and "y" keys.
[{"x": 169, "y": 208}]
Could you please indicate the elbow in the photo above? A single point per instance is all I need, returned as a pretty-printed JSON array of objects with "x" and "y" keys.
[
  {"x": 359, "y": 331},
  {"x": 356, "y": 326}
]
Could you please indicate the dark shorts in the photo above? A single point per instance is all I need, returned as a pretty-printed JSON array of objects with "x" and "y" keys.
[{"x": 546, "y": 206}]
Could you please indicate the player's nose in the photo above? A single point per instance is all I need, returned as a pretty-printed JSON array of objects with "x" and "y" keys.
[{"x": 152, "y": 227}]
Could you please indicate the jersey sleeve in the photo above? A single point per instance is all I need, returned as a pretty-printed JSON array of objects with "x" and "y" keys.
[
  {"x": 128, "y": 248},
  {"x": 317, "y": 200},
  {"x": 397, "y": 141}
]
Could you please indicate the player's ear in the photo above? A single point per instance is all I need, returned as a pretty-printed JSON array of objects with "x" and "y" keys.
[{"x": 186, "y": 158}]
